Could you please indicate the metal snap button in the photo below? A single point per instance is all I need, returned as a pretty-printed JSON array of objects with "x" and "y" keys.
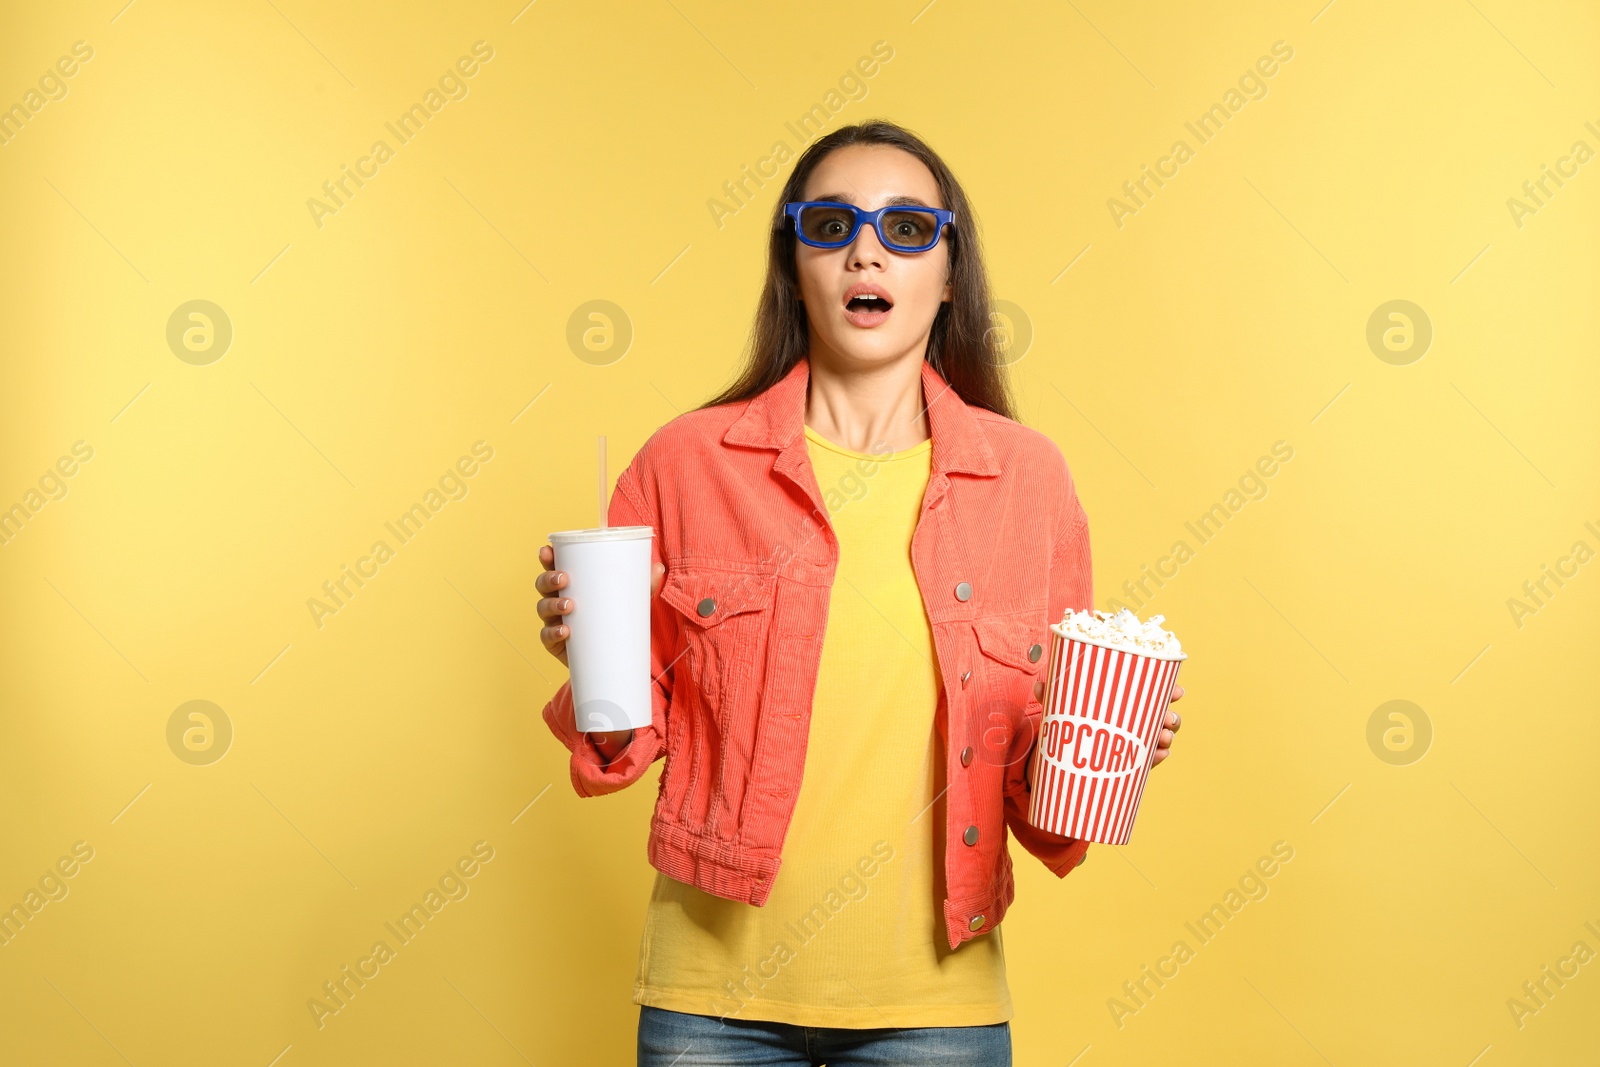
[
  {"x": 707, "y": 606},
  {"x": 971, "y": 836},
  {"x": 964, "y": 591},
  {"x": 976, "y": 924},
  {"x": 966, "y": 756},
  {"x": 966, "y": 676},
  {"x": 1034, "y": 653}
]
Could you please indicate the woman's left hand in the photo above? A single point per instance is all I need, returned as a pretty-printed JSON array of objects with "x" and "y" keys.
[
  {"x": 1164, "y": 739},
  {"x": 1174, "y": 720}
]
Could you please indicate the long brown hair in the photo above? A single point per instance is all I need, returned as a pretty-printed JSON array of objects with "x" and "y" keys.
[{"x": 962, "y": 345}]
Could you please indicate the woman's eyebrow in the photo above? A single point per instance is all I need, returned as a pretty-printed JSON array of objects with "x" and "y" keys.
[{"x": 896, "y": 201}]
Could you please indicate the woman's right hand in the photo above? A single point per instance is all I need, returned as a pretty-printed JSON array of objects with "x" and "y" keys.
[
  {"x": 552, "y": 608},
  {"x": 554, "y": 634}
]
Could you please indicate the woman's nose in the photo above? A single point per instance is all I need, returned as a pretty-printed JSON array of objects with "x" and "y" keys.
[{"x": 867, "y": 249}]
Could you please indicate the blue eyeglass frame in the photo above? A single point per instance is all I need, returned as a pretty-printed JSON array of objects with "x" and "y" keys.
[{"x": 875, "y": 218}]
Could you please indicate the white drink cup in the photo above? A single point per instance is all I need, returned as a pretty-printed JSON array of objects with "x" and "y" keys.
[{"x": 608, "y": 646}]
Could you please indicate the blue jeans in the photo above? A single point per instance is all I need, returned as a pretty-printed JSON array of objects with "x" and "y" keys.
[{"x": 677, "y": 1039}]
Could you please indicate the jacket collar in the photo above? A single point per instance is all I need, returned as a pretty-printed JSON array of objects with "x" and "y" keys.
[{"x": 776, "y": 419}]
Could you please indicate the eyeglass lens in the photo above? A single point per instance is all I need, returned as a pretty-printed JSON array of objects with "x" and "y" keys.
[{"x": 904, "y": 229}]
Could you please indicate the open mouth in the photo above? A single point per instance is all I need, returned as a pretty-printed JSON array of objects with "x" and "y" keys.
[{"x": 867, "y": 309}]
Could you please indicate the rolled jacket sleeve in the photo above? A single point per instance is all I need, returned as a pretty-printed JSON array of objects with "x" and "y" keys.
[
  {"x": 591, "y": 775},
  {"x": 1071, "y": 586}
]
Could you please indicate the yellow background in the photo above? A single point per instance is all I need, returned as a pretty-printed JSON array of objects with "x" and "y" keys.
[{"x": 369, "y": 353}]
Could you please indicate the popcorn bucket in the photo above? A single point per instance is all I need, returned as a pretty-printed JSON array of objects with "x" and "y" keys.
[{"x": 1103, "y": 713}]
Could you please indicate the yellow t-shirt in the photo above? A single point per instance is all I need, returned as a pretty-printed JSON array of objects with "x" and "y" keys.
[{"x": 852, "y": 934}]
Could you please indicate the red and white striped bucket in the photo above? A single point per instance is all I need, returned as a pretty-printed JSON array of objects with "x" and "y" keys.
[{"x": 1103, "y": 712}]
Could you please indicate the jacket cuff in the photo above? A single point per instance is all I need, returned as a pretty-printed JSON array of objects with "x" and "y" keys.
[
  {"x": 591, "y": 775},
  {"x": 1060, "y": 854}
]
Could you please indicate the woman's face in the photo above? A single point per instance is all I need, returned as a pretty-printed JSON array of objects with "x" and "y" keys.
[{"x": 915, "y": 283}]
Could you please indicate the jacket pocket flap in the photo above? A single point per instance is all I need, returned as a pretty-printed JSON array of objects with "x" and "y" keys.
[
  {"x": 706, "y": 597},
  {"x": 1009, "y": 639}
]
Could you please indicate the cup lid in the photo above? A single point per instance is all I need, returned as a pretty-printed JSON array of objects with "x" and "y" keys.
[{"x": 608, "y": 533}]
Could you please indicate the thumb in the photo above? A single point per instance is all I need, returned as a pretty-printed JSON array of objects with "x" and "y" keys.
[{"x": 658, "y": 574}]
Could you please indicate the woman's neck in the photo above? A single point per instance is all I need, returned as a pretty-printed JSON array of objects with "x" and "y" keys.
[{"x": 871, "y": 409}]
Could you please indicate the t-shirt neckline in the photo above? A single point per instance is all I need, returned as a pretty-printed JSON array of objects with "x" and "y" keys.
[{"x": 883, "y": 457}]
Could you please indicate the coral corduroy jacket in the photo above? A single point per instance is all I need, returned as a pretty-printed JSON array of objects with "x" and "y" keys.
[{"x": 1001, "y": 550}]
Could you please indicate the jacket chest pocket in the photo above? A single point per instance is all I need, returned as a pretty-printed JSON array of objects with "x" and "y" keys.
[
  {"x": 1005, "y": 718},
  {"x": 724, "y": 616}
]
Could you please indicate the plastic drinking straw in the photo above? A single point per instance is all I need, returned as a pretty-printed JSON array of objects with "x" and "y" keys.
[{"x": 602, "y": 481}]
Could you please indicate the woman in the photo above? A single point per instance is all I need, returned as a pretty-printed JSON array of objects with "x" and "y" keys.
[{"x": 857, "y": 554}]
